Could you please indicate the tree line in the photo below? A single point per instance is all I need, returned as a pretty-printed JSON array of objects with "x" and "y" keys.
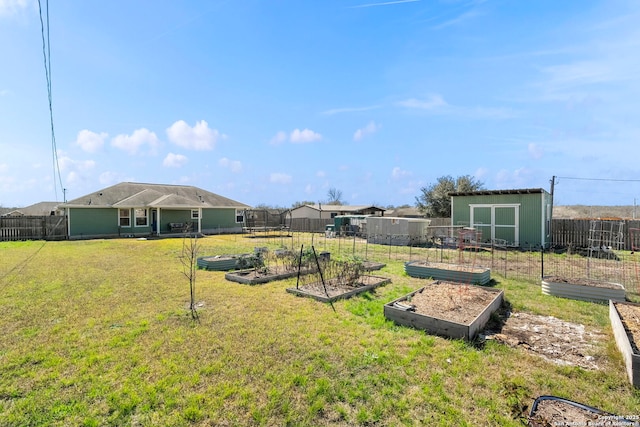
[{"x": 433, "y": 201}]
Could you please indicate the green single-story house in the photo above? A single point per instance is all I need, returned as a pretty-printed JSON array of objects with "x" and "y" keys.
[
  {"x": 518, "y": 218},
  {"x": 136, "y": 209}
]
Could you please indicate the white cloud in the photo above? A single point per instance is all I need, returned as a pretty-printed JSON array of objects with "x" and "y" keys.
[
  {"x": 90, "y": 141},
  {"x": 518, "y": 178},
  {"x": 435, "y": 104},
  {"x": 397, "y": 173},
  {"x": 199, "y": 138},
  {"x": 110, "y": 178},
  {"x": 309, "y": 189},
  {"x": 369, "y": 129},
  {"x": 306, "y": 135},
  {"x": 134, "y": 142},
  {"x": 69, "y": 165},
  {"x": 280, "y": 178},
  {"x": 4, "y": 167},
  {"x": 535, "y": 151},
  {"x": 348, "y": 110},
  {"x": 321, "y": 174},
  {"x": 11, "y": 7},
  {"x": 174, "y": 160},
  {"x": 432, "y": 102},
  {"x": 4, "y": 92},
  {"x": 278, "y": 138},
  {"x": 234, "y": 165},
  {"x": 385, "y": 3},
  {"x": 481, "y": 173}
]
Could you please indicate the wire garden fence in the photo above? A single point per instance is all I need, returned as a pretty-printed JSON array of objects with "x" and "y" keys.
[{"x": 526, "y": 264}]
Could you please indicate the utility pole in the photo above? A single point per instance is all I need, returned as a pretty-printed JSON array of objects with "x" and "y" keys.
[{"x": 553, "y": 185}]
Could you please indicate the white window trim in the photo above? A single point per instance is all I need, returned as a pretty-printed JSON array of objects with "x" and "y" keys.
[
  {"x": 146, "y": 216},
  {"x": 239, "y": 213},
  {"x": 196, "y": 212},
  {"x": 120, "y": 217}
]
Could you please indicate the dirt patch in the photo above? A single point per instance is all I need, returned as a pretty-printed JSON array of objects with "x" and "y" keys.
[
  {"x": 335, "y": 287},
  {"x": 451, "y": 301},
  {"x": 453, "y": 267},
  {"x": 630, "y": 316},
  {"x": 559, "y": 413},
  {"x": 555, "y": 340},
  {"x": 581, "y": 282}
]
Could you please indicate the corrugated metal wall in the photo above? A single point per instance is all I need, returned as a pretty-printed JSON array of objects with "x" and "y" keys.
[{"x": 531, "y": 217}]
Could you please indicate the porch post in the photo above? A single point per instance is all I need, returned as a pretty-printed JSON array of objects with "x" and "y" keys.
[
  {"x": 199, "y": 220},
  {"x": 158, "y": 223}
]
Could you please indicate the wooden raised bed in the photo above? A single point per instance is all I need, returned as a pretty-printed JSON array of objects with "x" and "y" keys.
[
  {"x": 448, "y": 272},
  {"x": 338, "y": 291},
  {"x": 451, "y": 310},
  {"x": 625, "y": 321},
  {"x": 583, "y": 289}
]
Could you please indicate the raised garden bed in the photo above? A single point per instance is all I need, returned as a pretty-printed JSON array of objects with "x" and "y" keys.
[
  {"x": 258, "y": 276},
  {"x": 625, "y": 321},
  {"x": 448, "y": 272},
  {"x": 222, "y": 262},
  {"x": 333, "y": 289},
  {"x": 555, "y": 411},
  {"x": 448, "y": 309},
  {"x": 583, "y": 289}
]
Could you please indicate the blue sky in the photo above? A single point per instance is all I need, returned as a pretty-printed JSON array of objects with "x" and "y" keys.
[{"x": 275, "y": 102}]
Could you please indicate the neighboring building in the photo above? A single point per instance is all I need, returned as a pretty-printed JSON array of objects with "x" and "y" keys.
[
  {"x": 135, "y": 209},
  {"x": 331, "y": 211},
  {"x": 518, "y": 218},
  {"x": 38, "y": 209},
  {"x": 408, "y": 212},
  {"x": 397, "y": 231}
]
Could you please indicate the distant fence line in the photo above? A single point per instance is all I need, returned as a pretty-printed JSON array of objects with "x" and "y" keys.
[
  {"x": 13, "y": 228},
  {"x": 564, "y": 232}
]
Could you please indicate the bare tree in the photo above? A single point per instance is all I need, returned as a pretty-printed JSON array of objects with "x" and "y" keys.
[
  {"x": 189, "y": 259},
  {"x": 335, "y": 197}
]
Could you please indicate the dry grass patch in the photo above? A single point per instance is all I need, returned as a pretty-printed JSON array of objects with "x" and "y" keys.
[{"x": 98, "y": 333}]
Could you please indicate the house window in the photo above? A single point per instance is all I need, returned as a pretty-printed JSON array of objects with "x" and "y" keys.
[
  {"x": 142, "y": 219},
  {"x": 195, "y": 214},
  {"x": 125, "y": 217},
  {"x": 334, "y": 214},
  {"x": 239, "y": 215}
]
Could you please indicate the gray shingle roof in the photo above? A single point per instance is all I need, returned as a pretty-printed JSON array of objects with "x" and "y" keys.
[{"x": 133, "y": 194}]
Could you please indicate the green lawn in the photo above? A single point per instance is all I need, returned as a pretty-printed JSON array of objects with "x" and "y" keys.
[{"x": 98, "y": 333}]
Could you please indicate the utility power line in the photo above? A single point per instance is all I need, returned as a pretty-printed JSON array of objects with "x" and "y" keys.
[{"x": 46, "y": 52}]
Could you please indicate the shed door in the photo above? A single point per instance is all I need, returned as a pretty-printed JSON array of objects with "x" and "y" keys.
[
  {"x": 504, "y": 225},
  {"x": 481, "y": 220},
  {"x": 496, "y": 222}
]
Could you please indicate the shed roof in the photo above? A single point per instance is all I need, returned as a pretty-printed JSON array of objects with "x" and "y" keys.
[
  {"x": 341, "y": 208},
  {"x": 497, "y": 192},
  {"x": 133, "y": 194}
]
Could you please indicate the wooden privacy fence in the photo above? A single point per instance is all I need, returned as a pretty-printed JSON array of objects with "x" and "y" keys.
[
  {"x": 33, "y": 228},
  {"x": 582, "y": 233}
]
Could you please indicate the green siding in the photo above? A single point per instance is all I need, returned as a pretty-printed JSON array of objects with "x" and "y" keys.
[
  {"x": 91, "y": 222},
  {"x": 532, "y": 220},
  {"x": 219, "y": 218},
  {"x": 101, "y": 222}
]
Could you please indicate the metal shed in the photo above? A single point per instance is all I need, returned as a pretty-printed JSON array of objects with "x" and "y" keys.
[
  {"x": 519, "y": 218},
  {"x": 397, "y": 231}
]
